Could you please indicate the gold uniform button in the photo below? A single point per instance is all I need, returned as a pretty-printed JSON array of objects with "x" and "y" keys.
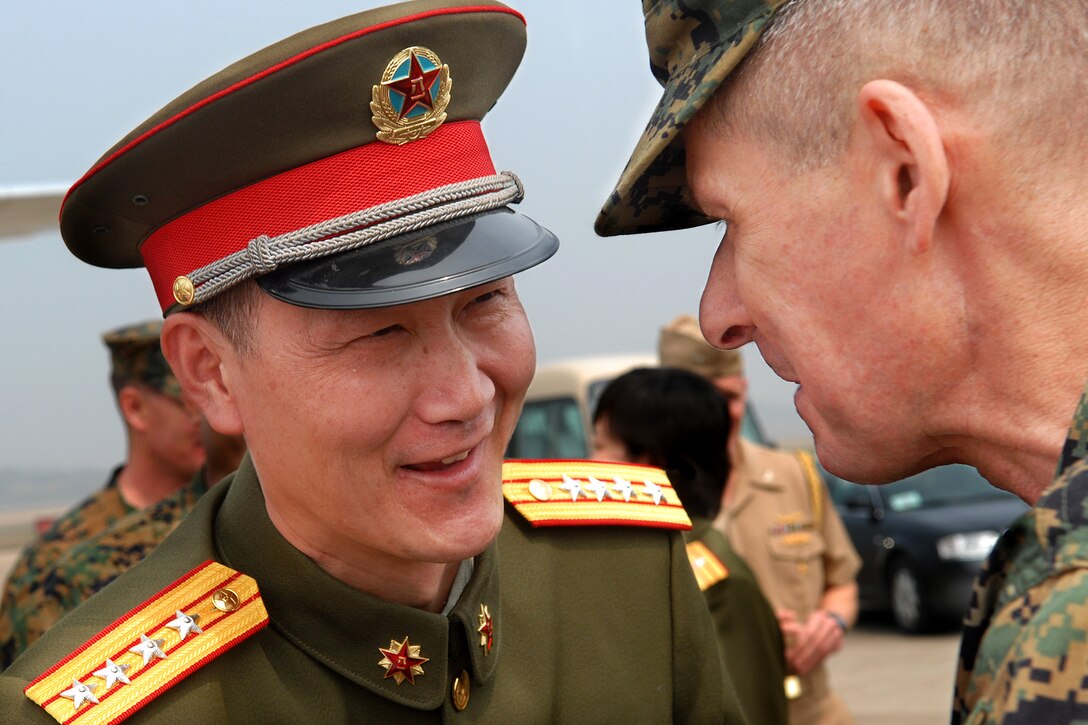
[
  {"x": 225, "y": 600},
  {"x": 184, "y": 291},
  {"x": 460, "y": 691}
]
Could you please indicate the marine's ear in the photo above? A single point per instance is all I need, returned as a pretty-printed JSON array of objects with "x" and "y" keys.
[
  {"x": 199, "y": 354},
  {"x": 133, "y": 406},
  {"x": 907, "y": 155}
]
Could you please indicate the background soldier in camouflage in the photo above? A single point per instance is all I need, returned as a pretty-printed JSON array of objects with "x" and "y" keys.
[
  {"x": 88, "y": 566},
  {"x": 905, "y": 238},
  {"x": 164, "y": 451}
]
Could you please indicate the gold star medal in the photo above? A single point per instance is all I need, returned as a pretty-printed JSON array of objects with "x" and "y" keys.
[
  {"x": 402, "y": 661},
  {"x": 411, "y": 100}
]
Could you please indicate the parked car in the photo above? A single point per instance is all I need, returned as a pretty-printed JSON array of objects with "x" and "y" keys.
[
  {"x": 922, "y": 540},
  {"x": 557, "y": 420}
]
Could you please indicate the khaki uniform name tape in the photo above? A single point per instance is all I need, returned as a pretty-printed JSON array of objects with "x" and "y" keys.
[{"x": 191, "y": 595}]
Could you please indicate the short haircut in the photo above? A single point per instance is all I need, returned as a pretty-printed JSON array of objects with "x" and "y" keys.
[
  {"x": 234, "y": 311},
  {"x": 680, "y": 423},
  {"x": 1018, "y": 65}
]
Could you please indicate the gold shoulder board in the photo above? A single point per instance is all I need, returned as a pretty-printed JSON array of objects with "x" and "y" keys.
[
  {"x": 145, "y": 652},
  {"x": 708, "y": 568},
  {"x": 592, "y": 493}
]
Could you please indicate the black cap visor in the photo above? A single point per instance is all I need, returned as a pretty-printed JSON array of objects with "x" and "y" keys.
[{"x": 417, "y": 266}]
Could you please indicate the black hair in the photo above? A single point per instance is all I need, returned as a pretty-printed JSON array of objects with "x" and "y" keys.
[{"x": 676, "y": 420}]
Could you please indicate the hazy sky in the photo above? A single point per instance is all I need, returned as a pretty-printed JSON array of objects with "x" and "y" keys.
[{"x": 76, "y": 76}]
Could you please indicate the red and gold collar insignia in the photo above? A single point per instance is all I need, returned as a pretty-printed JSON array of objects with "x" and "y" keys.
[
  {"x": 486, "y": 629},
  {"x": 402, "y": 661}
]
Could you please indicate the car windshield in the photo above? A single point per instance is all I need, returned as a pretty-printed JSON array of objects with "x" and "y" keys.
[
  {"x": 939, "y": 487},
  {"x": 549, "y": 429}
]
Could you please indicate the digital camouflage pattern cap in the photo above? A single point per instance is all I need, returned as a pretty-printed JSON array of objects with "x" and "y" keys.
[
  {"x": 694, "y": 45},
  {"x": 135, "y": 357},
  {"x": 343, "y": 167},
  {"x": 681, "y": 345}
]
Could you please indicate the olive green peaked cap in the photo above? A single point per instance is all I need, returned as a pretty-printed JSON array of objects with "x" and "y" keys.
[
  {"x": 694, "y": 45},
  {"x": 347, "y": 137},
  {"x": 135, "y": 357}
]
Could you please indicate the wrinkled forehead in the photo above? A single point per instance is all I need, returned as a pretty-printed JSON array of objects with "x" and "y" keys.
[{"x": 726, "y": 167}]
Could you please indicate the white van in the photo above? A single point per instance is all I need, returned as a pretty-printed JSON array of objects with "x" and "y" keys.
[{"x": 557, "y": 421}]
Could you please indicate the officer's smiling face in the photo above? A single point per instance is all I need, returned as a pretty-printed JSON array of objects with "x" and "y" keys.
[
  {"x": 812, "y": 268},
  {"x": 379, "y": 434}
]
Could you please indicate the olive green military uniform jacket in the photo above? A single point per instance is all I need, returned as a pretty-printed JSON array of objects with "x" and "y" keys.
[
  {"x": 781, "y": 521},
  {"x": 87, "y": 566},
  {"x": 748, "y": 632},
  {"x": 1024, "y": 655},
  {"x": 588, "y": 624},
  {"x": 22, "y": 617}
]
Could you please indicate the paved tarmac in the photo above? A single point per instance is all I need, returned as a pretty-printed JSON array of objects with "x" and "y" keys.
[{"x": 889, "y": 678}]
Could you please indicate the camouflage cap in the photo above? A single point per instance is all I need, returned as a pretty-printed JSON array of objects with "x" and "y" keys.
[
  {"x": 694, "y": 45},
  {"x": 135, "y": 357},
  {"x": 681, "y": 345}
]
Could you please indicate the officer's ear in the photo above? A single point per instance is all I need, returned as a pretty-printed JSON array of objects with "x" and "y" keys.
[
  {"x": 198, "y": 352},
  {"x": 905, "y": 150}
]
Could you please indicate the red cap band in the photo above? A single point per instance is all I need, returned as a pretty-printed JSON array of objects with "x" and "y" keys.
[{"x": 329, "y": 188}]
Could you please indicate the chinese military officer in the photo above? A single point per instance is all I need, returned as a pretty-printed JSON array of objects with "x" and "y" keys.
[{"x": 333, "y": 249}]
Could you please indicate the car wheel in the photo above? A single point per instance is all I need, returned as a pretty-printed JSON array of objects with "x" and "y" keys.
[{"x": 909, "y": 608}]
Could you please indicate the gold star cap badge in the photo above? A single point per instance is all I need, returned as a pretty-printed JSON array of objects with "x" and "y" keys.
[
  {"x": 402, "y": 661},
  {"x": 411, "y": 100}
]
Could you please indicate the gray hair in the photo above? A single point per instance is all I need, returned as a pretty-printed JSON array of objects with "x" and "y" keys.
[{"x": 1019, "y": 65}]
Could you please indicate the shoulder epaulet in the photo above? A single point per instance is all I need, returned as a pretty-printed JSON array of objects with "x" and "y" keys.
[
  {"x": 815, "y": 486},
  {"x": 708, "y": 568},
  {"x": 592, "y": 493},
  {"x": 157, "y": 644}
]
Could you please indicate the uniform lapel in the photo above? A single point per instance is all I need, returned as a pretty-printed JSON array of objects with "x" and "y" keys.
[{"x": 346, "y": 629}]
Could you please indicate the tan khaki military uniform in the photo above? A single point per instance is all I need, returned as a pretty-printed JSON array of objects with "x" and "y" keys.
[
  {"x": 23, "y": 615},
  {"x": 785, "y": 527},
  {"x": 584, "y": 624}
]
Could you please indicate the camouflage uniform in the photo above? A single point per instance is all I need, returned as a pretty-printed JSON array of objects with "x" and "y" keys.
[
  {"x": 1026, "y": 639},
  {"x": 22, "y": 619},
  {"x": 88, "y": 565}
]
